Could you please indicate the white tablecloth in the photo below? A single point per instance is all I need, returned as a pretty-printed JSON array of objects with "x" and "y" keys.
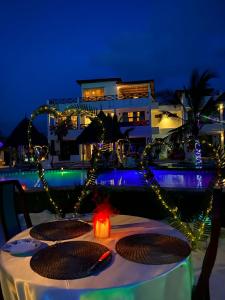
[{"x": 122, "y": 280}]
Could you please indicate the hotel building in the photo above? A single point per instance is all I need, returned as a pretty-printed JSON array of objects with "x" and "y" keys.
[{"x": 135, "y": 105}]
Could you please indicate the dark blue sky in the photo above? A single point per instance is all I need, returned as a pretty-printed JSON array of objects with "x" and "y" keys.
[{"x": 47, "y": 45}]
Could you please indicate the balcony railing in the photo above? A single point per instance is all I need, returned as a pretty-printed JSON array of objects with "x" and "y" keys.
[
  {"x": 135, "y": 123},
  {"x": 78, "y": 100},
  {"x": 64, "y": 101}
]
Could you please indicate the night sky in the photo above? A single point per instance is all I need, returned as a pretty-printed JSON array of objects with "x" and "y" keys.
[{"x": 47, "y": 45}]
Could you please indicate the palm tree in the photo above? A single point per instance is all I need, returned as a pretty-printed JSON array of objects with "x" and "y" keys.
[{"x": 198, "y": 101}]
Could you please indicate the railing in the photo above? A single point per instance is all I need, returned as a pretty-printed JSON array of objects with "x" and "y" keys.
[
  {"x": 78, "y": 100},
  {"x": 135, "y": 123},
  {"x": 64, "y": 101}
]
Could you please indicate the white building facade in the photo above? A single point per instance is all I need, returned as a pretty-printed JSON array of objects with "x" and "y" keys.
[
  {"x": 134, "y": 104},
  {"x": 130, "y": 101}
]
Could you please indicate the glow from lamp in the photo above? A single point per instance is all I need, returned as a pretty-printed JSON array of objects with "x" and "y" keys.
[{"x": 101, "y": 225}]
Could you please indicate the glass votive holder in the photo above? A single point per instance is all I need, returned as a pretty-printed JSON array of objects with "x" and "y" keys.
[{"x": 101, "y": 224}]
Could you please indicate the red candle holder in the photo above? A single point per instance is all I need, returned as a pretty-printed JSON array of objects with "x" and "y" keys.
[{"x": 101, "y": 225}]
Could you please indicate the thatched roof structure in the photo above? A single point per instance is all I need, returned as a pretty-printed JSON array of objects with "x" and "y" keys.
[
  {"x": 19, "y": 135},
  {"x": 95, "y": 133}
]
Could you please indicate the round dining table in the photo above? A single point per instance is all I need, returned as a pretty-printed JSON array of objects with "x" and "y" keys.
[{"x": 121, "y": 280}]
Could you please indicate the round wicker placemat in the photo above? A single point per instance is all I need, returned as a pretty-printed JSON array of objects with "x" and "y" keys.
[
  {"x": 69, "y": 260},
  {"x": 152, "y": 248},
  {"x": 60, "y": 230}
]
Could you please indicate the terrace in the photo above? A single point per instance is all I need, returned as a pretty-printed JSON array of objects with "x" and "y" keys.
[
  {"x": 124, "y": 187},
  {"x": 177, "y": 208}
]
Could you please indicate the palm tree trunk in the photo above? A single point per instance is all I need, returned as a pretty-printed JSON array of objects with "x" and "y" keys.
[
  {"x": 198, "y": 152},
  {"x": 201, "y": 291}
]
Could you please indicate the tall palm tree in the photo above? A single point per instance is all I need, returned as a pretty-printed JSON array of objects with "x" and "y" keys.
[{"x": 198, "y": 101}]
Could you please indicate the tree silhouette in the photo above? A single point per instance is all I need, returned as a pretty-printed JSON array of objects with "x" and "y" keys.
[{"x": 198, "y": 101}]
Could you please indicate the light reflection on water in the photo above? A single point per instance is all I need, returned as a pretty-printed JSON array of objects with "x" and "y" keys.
[
  {"x": 166, "y": 178},
  {"x": 196, "y": 179},
  {"x": 56, "y": 178}
]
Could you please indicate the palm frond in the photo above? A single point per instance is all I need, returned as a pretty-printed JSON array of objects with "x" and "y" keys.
[
  {"x": 169, "y": 115},
  {"x": 199, "y": 88}
]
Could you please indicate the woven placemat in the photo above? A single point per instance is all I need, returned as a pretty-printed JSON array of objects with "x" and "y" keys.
[
  {"x": 69, "y": 260},
  {"x": 60, "y": 230},
  {"x": 152, "y": 248}
]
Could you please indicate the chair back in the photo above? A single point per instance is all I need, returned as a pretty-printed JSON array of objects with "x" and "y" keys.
[{"x": 12, "y": 196}]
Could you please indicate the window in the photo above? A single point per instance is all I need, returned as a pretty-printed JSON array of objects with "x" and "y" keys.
[
  {"x": 130, "y": 116},
  {"x": 86, "y": 121},
  {"x": 126, "y": 91},
  {"x": 133, "y": 116},
  {"x": 93, "y": 93},
  {"x": 138, "y": 116},
  {"x": 74, "y": 121}
]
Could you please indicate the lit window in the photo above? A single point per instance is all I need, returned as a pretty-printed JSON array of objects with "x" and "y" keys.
[
  {"x": 74, "y": 120},
  {"x": 93, "y": 93},
  {"x": 87, "y": 121},
  {"x": 133, "y": 116}
]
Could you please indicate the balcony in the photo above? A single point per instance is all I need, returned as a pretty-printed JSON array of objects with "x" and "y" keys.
[
  {"x": 135, "y": 123},
  {"x": 115, "y": 97},
  {"x": 214, "y": 128},
  {"x": 82, "y": 100}
]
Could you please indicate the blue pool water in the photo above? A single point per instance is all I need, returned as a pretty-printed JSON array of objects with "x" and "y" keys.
[{"x": 195, "y": 179}]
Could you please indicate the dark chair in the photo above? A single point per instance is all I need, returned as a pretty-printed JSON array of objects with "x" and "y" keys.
[
  {"x": 1, "y": 296},
  {"x": 12, "y": 197},
  {"x": 201, "y": 290}
]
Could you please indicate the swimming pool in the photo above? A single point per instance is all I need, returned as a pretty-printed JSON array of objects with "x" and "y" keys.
[
  {"x": 195, "y": 179},
  {"x": 55, "y": 178},
  {"x": 183, "y": 178}
]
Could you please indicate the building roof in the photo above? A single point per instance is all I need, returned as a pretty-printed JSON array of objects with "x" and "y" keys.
[
  {"x": 98, "y": 80},
  {"x": 137, "y": 81},
  {"x": 117, "y": 79},
  {"x": 19, "y": 135}
]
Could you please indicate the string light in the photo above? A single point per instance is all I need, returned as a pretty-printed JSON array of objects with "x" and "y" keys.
[
  {"x": 92, "y": 172},
  {"x": 201, "y": 224},
  {"x": 36, "y": 150},
  {"x": 193, "y": 235},
  {"x": 198, "y": 154}
]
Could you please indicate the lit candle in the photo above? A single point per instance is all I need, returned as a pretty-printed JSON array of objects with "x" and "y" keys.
[{"x": 101, "y": 225}]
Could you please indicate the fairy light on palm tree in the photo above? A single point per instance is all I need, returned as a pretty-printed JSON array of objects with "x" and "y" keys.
[{"x": 197, "y": 101}]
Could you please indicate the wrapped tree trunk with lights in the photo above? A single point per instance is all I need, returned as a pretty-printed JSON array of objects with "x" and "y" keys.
[{"x": 198, "y": 102}]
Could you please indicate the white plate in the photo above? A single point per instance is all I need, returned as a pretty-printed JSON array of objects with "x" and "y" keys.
[{"x": 22, "y": 247}]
